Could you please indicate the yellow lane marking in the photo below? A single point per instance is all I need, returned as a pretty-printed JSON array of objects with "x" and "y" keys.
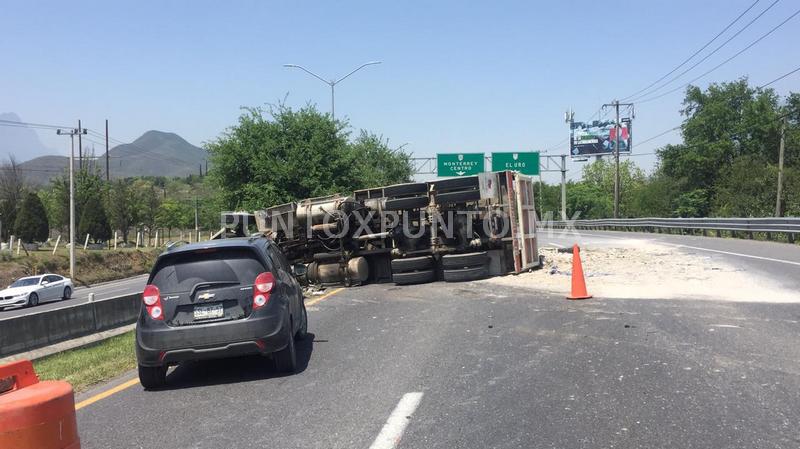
[
  {"x": 106, "y": 393},
  {"x": 324, "y": 297},
  {"x": 132, "y": 382}
]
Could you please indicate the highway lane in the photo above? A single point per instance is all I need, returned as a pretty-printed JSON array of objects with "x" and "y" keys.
[
  {"x": 496, "y": 367},
  {"x": 777, "y": 261},
  {"x": 81, "y": 295}
]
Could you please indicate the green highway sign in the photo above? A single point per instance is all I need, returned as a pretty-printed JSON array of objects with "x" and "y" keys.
[
  {"x": 526, "y": 163},
  {"x": 459, "y": 164}
]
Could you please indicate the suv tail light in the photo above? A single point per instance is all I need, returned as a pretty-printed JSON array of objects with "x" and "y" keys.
[
  {"x": 152, "y": 302},
  {"x": 262, "y": 288}
]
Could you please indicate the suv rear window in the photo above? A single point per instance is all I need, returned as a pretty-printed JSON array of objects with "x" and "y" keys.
[{"x": 181, "y": 272}]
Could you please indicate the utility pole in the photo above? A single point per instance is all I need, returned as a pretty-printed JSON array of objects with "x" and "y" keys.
[
  {"x": 80, "y": 148},
  {"x": 108, "y": 172},
  {"x": 616, "y": 104},
  {"x": 71, "y": 133},
  {"x": 563, "y": 187},
  {"x": 778, "y": 212},
  {"x": 196, "y": 224}
]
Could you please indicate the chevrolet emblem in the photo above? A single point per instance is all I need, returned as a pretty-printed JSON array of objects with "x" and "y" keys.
[{"x": 206, "y": 296}]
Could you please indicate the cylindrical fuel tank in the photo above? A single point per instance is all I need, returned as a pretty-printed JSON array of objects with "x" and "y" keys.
[
  {"x": 333, "y": 273},
  {"x": 313, "y": 211}
]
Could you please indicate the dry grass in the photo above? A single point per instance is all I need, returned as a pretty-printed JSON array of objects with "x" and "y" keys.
[{"x": 91, "y": 266}]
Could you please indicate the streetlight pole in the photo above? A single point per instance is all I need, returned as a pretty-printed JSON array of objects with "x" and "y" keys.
[
  {"x": 72, "y": 133},
  {"x": 332, "y": 82},
  {"x": 616, "y": 104}
]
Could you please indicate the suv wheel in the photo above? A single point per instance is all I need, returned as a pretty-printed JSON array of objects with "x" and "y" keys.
[
  {"x": 152, "y": 377},
  {"x": 303, "y": 331},
  {"x": 286, "y": 358}
]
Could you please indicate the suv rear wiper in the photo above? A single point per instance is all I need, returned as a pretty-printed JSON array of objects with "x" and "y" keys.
[{"x": 210, "y": 284}]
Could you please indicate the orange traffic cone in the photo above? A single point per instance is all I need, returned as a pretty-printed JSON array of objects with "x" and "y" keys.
[{"x": 578, "y": 282}]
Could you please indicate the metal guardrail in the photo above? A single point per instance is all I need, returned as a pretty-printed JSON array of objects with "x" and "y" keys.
[{"x": 790, "y": 225}]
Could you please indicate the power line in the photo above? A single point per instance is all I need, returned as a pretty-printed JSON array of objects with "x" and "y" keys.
[
  {"x": 696, "y": 52},
  {"x": 763, "y": 36},
  {"x": 659, "y": 135},
  {"x": 704, "y": 58},
  {"x": 779, "y": 78},
  {"x": 29, "y": 125}
]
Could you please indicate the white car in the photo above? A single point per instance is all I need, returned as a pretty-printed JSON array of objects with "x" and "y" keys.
[{"x": 31, "y": 290}]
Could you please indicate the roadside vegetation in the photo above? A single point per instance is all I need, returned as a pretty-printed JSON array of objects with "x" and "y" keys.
[
  {"x": 90, "y": 365},
  {"x": 727, "y": 165},
  {"x": 91, "y": 267}
]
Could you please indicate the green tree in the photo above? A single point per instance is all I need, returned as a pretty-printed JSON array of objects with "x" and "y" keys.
[
  {"x": 724, "y": 126},
  {"x": 173, "y": 214},
  {"x": 599, "y": 177},
  {"x": 31, "y": 219},
  {"x": 94, "y": 221},
  {"x": 279, "y": 155},
  {"x": 123, "y": 211}
]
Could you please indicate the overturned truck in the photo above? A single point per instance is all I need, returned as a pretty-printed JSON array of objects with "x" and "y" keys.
[{"x": 455, "y": 229}]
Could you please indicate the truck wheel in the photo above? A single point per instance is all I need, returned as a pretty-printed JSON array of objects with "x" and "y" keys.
[
  {"x": 414, "y": 277},
  {"x": 152, "y": 377},
  {"x": 412, "y": 264},
  {"x": 466, "y": 274},
  {"x": 464, "y": 260}
]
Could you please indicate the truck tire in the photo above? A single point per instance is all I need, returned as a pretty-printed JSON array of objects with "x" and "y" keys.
[
  {"x": 466, "y": 274},
  {"x": 415, "y": 188},
  {"x": 414, "y": 202},
  {"x": 412, "y": 264},
  {"x": 468, "y": 260},
  {"x": 414, "y": 277}
]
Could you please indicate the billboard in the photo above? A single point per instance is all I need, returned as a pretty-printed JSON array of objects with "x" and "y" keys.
[{"x": 598, "y": 138}]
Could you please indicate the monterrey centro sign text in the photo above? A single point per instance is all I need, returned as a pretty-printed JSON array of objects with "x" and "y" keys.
[{"x": 459, "y": 164}]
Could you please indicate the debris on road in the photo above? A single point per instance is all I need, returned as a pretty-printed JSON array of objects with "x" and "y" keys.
[{"x": 635, "y": 268}]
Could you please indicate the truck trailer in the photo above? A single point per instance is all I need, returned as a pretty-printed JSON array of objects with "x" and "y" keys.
[{"x": 455, "y": 229}]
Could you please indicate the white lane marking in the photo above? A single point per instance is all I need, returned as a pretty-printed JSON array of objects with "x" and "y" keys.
[
  {"x": 396, "y": 424},
  {"x": 679, "y": 245},
  {"x": 770, "y": 259}
]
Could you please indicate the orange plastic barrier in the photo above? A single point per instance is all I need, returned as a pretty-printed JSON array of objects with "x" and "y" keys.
[{"x": 33, "y": 414}]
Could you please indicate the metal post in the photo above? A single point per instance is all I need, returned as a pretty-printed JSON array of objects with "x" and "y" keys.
[
  {"x": 778, "y": 211},
  {"x": 332, "y": 82},
  {"x": 616, "y": 163},
  {"x": 108, "y": 172},
  {"x": 72, "y": 207},
  {"x": 80, "y": 148},
  {"x": 333, "y": 102},
  {"x": 563, "y": 187}
]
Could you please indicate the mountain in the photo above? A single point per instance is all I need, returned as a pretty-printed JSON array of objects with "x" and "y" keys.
[
  {"x": 20, "y": 141},
  {"x": 154, "y": 153}
]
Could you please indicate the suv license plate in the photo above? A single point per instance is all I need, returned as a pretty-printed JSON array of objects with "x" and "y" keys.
[{"x": 208, "y": 312}]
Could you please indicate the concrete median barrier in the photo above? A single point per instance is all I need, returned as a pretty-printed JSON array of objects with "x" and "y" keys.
[{"x": 37, "y": 330}]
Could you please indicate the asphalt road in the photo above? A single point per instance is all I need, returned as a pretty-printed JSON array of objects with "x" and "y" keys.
[
  {"x": 474, "y": 365},
  {"x": 778, "y": 261},
  {"x": 81, "y": 295}
]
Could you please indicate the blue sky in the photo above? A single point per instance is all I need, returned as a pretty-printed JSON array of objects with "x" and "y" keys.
[{"x": 456, "y": 76}]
